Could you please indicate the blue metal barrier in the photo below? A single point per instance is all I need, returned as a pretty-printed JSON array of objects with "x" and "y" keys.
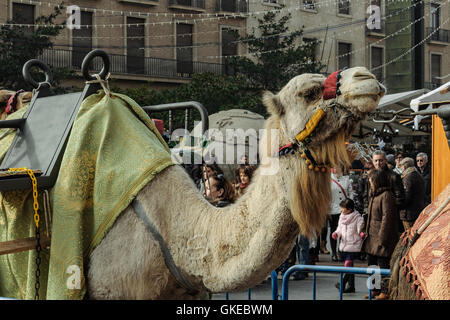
[
  {"x": 324, "y": 269},
  {"x": 274, "y": 282},
  {"x": 227, "y": 295}
]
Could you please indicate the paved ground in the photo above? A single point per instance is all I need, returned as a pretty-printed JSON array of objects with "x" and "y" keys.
[{"x": 302, "y": 290}]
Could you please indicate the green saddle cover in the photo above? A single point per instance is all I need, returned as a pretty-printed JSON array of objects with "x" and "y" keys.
[{"x": 113, "y": 151}]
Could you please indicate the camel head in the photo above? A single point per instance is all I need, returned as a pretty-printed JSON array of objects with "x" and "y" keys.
[{"x": 314, "y": 117}]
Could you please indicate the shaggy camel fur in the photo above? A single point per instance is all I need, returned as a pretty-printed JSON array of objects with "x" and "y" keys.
[{"x": 236, "y": 247}]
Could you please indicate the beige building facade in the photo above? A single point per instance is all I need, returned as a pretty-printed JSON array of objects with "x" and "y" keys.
[
  {"x": 161, "y": 41},
  {"x": 165, "y": 42},
  {"x": 339, "y": 26},
  {"x": 437, "y": 46}
]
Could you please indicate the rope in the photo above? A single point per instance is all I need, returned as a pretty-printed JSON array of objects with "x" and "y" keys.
[{"x": 103, "y": 83}]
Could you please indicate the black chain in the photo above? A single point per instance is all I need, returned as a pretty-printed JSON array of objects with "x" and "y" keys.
[{"x": 37, "y": 285}]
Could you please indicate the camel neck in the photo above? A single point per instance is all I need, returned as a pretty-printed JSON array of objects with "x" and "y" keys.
[{"x": 243, "y": 242}]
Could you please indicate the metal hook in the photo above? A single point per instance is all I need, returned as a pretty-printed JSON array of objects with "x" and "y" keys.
[
  {"x": 28, "y": 78},
  {"x": 87, "y": 61}
]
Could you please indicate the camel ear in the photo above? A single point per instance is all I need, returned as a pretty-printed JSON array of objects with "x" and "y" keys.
[{"x": 273, "y": 103}]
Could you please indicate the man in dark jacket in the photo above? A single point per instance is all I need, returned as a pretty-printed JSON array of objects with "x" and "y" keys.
[
  {"x": 414, "y": 193},
  {"x": 424, "y": 170},
  {"x": 395, "y": 181}
]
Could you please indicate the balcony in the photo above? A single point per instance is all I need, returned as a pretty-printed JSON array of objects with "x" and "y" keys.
[
  {"x": 143, "y": 2},
  {"x": 188, "y": 5},
  {"x": 135, "y": 66},
  {"x": 440, "y": 35},
  {"x": 226, "y": 7}
]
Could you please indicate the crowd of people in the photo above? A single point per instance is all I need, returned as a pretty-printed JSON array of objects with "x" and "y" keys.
[
  {"x": 368, "y": 211},
  {"x": 215, "y": 187}
]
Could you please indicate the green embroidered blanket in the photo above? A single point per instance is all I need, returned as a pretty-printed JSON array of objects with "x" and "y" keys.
[{"x": 113, "y": 151}]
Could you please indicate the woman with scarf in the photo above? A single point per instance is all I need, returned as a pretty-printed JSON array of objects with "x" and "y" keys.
[{"x": 381, "y": 231}]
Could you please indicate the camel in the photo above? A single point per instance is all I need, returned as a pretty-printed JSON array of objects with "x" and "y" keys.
[{"x": 234, "y": 248}]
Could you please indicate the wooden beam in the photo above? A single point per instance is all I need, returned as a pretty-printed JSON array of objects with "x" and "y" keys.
[{"x": 20, "y": 245}]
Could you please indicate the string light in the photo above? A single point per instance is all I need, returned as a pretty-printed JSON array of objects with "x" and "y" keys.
[
  {"x": 388, "y": 36},
  {"x": 285, "y": 34},
  {"x": 233, "y": 15},
  {"x": 412, "y": 48},
  {"x": 209, "y": 16}
]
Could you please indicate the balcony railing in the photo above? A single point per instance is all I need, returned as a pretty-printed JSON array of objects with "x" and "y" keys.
[
  {"x": 127, "y": 65},
  {"x": 188, "y": 3},
  {"x": 441, "y": 35},
  {"x": 234, "y": 6}
]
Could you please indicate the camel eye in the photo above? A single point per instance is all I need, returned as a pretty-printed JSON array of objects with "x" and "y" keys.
[{"x": 312, "y": 94}]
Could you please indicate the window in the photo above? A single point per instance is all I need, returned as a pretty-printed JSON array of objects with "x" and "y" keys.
[
  {"x": 375, "y": 3},
  {"x": 270, "y": 1},
  {"x": 135, "y": 45},
  {"x": 271, "y": 42},
  {"x": 229, "y": 44},
  {"x": 188, "y": 3},
  {"x": 435, "y": 70},
  {"x": 344, "y": 7},
  {"x": 344, "y": 57},
  {"x": 309, "y": 4},
  {"x": 23, "y": 14},
  {"x": 376, "y": 59},
  {"x": 184, "y": 48},
  {"x": 435, "y": 16},
  {"x": 82, "y": 39},
  {"x": 311, "y": 43}
]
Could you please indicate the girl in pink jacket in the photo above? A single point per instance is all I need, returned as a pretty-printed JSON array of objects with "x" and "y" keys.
[{"x": 351, "y": 237}]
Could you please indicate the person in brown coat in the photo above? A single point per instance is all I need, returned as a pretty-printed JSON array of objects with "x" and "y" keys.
[
  {"x": 414, "y": 193},
  {"x": 380, "y": 235}
]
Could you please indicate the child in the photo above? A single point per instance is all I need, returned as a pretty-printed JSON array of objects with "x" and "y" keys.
[{"x": 349, "y": 231}]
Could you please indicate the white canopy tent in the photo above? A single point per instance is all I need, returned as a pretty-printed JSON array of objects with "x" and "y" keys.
[{"x": 424, "y": 102}]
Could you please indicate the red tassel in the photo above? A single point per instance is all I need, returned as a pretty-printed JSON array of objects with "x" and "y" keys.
[
  {"x": 408, "y": 277},
  {"x": 404, "y": 271},
  {"x": 419, "y": 292},
  {"x": 403, "y": 261}
]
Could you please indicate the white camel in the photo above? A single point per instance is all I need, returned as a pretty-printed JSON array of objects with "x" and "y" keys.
[{"x": 236, "y": 247}]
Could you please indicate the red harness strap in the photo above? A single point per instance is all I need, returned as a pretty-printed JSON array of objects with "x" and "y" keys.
[{"x": 12, "y": 102}]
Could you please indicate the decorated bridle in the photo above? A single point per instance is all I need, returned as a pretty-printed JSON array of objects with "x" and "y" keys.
[{"x": 331, "y": 90}]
